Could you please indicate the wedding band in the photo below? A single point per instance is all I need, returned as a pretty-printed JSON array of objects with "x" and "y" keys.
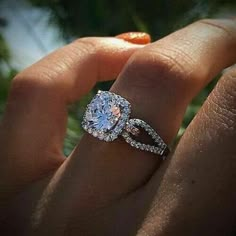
[{"x": 108, "y": 116}]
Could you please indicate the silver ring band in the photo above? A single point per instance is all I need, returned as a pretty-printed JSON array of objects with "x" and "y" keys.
[{"x": 108, "y": 116}]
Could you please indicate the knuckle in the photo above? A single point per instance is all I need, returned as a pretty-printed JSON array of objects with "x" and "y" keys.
[
  {"x": 227, "y": 87},
  {"x": 223, "y": 101},
  {"x": 224, "y": 116},
  {"x": 85, "y": 45},
  {"x": 159, "y": 66},
  {"x": 25, "y": 86},
  {"x": 225, "y": 26},
  {"x": 48, "y": 75}
]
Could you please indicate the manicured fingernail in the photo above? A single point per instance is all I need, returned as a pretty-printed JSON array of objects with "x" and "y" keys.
[{"x": 135, "y": 37}]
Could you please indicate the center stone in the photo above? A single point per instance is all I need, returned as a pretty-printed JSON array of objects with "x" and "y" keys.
[{"x": 103, "y": 114}]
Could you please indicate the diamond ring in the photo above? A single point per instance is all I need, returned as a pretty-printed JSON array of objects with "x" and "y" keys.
[{"x": 108, "y": 116}]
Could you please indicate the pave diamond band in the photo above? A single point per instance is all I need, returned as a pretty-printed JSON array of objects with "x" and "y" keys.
[
  {"x": 108, "y": 116},
  {"x": 160, "y": 148}
]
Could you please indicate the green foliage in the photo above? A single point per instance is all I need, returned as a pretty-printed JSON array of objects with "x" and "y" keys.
[
  {"x": 5, "y": 74},
  {"x": 78, "y": 18},
  {"x": 4, "y": 52}
]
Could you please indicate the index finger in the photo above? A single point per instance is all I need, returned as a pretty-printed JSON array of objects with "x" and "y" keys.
[{"x": 34, "y": 125}]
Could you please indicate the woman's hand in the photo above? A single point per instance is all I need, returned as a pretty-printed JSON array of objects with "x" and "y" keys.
[{"x": 111, "y": 188}]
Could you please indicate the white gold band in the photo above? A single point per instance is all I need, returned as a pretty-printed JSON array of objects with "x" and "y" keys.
[{"x": 160, "y": 148}]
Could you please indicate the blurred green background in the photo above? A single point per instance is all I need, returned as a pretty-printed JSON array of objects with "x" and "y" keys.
[{"x": 30, "y": 29}]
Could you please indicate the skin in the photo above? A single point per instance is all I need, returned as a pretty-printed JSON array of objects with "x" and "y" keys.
[{"x": 112, "y": 188}]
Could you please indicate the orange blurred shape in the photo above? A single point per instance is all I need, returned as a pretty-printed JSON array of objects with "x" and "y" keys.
[{"x": 135, "y": 37}]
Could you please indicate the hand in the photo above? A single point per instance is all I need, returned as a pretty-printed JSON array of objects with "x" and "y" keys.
[{"x": 112, "y": 188}]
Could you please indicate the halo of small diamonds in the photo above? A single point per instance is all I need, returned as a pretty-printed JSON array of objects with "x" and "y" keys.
[{"x": 106, "y": 116}]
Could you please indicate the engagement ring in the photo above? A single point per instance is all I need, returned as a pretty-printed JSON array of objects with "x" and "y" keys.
[{"x": 108, "y": 116}]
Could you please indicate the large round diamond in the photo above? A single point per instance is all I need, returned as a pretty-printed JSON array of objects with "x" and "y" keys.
[
  {"x": 103, "y": 113},
  {"x": 106, "y": 116}
]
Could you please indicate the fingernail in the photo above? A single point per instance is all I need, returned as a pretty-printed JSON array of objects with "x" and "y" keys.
[{"x": 135, "y": 37}]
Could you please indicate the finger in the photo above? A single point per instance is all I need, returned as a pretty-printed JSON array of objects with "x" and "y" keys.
[
  {"x": 33, "y": 128},
  {"x": 202, "y": 172},
  {"x": 159, "y": 81}
]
